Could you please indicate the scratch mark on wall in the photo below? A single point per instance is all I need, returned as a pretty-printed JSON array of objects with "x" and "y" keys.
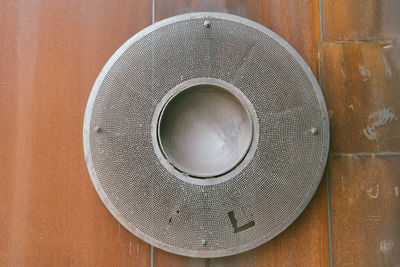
[
  {"x": 396, "y": 191},
  {"x": 373, "y": 222},
  {"x": 370, "y": 192},
  {"x": 377, "y": 119},
  {"x": 374, "y": 218},
  {"x": 365, "y": 74},
  {"x": 130, "y": 247},
  {"x": 386, "y": 245},
  {"x": 370, "y": 133},
  {"x": 386, "y": 67},
  {"x": 342, "y": 72},
  {"x": 351, "y": 107},
  {"x": 388, "y": 45}
]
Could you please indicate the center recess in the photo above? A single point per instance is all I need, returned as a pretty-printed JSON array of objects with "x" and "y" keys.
[{"x": 204, "y": 130}]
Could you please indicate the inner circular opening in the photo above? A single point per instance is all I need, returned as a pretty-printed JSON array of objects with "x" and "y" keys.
[{"x": 204, "y": 130}]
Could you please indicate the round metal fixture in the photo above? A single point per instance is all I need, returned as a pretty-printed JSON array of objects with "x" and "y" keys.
[{"x": 206, "y": 134}]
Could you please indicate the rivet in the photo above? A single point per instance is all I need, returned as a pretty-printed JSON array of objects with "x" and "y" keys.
[
  {"x": 203, "y": 242},
  {"x": 314, "y": 131},
  {"x": 207, "y": 24},
  {"x": 97, "y": 129}
]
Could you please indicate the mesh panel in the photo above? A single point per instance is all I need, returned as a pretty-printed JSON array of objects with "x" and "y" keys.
[{"x": 265, "y": 195}]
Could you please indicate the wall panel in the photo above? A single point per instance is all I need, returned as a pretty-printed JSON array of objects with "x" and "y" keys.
[
  {"x": 360, "y": 76},
  {"x": 52, "y": 51}
]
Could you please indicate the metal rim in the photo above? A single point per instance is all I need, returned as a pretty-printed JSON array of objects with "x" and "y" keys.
[{"x": 195, "y": 253}]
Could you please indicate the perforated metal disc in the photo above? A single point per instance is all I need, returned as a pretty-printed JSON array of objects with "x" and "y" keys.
[{"x": 275, "y": 118}]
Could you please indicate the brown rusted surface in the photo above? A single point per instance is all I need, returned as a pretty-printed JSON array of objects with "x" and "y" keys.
[
  {"x": 306, "y": 241},
  {"x": 360, "y": 81},
  {"x": 52, "y": 51},
  {"x": 365, "y": 210},
  {"x": 166, "y": 259},
  {"x": 360, "y": 19}
]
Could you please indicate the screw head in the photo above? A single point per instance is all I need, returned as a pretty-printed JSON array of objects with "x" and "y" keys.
[
  {"x": 203, "y": 242},
  {"x": 314, "y": 131},
  {"x": 207, "y": 24},
  {"x": 97, "y": 129}
]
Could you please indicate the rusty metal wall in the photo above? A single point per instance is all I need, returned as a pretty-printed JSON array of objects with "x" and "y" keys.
[{"x": 51, "y": 53}]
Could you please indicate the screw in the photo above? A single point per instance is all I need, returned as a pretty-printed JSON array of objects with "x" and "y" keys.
[
  {"x": 97, "y": 129},
  {"x": 207, "y": 24},
  {"x": 203, "y": 242},
  {"x": 314, "y": 131}
]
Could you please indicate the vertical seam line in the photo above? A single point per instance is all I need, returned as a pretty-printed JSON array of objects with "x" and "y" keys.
[
  {"x": 329, "y": 218},
  {"x": 151, "y": 256},
  {"x": 327, "y": 168},
  {"x": 321, "y": 21},
  {"x": 153, "y": 11}
]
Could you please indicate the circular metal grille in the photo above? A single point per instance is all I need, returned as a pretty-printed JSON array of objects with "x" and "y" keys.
[{"x": 245, "y": 207}]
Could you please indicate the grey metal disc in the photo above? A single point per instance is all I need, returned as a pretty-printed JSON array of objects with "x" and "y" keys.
[{"x": 165, "y": 189}]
